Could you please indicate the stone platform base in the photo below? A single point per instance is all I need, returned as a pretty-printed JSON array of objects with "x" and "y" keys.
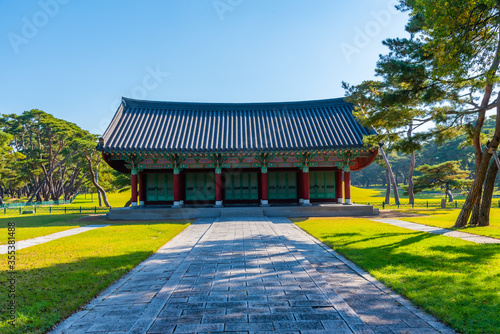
[{"x": 317, "y": 210}]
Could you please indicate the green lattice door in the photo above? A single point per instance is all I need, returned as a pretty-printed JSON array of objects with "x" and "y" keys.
[
  {"x": 159, "y": 187},
  {"x": 241, "y": 186},
  {"x": 282, "y": 185},
  {"x": 322, "y": 185},
  {"x": 200, "y": 187}
]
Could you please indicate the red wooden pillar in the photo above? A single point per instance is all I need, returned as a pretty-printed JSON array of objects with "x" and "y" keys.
[
  {"x": 133, "y": 199},
  {"x": 347, "y": 187},
  {"x": 218, "y": 187},
  {"x": 338, "y": 186},
  {"x": 299, "y": 187},
  {"x": 142, "y": 189},
  {"x": 177, "y": 188},
  {"x": 305, "y": 186},
  {"x": 263, "y": 187}
]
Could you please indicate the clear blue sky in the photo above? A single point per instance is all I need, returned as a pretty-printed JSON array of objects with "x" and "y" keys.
[{"x": 75, "y": 58}]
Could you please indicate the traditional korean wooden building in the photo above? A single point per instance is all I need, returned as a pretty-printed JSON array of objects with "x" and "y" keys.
[{"x": 183, "y": 154}]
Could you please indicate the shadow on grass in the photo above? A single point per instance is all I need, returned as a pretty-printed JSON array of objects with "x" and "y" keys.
[
  {"x": 416, "y": 237},
  {"x": 458, "y": 283}
]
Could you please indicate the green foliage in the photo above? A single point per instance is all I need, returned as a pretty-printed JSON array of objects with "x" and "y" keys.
[
  {"x": 447, "y": 175},
  {"x": 120, "y": 181},
  {"x": 436, "y": 76},
  {"x": 49, "y": 156},
  {"x": 461, "y": 36}
]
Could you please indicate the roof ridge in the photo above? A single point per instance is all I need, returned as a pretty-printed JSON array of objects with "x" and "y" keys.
[{"x": 135, "y": 103}]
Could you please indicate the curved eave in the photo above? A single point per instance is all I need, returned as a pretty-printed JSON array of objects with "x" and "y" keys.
[
  {"x": 305, "y": 150},
  {"x": 363, "y": 162}
]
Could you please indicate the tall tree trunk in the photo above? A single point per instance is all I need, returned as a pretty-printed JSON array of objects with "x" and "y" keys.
[
  {"x": 411, "y": 195},
  {"x": 488, "y": 90},
  {"x": 99, "y": 197},
  {"x": 97, "y": 180},
  {"x": 40, "y": 185},
  {"x": 474, "y": 217},
  {"x": 391, "y": 176},
  {"x": 2, "y": 194},
  {"x": 489, "y": 187},
  {"x": 388, "y": 189},
  {"x": 477, "y": 185},
  {"x": 96, "y": 184},
  {"x": 473, "y": 200}
]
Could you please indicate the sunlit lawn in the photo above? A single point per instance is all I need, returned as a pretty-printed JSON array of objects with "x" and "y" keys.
[
  {"x": 446, "y": 219},
  {"x": 28, "y": 227},
  {"x": 455, "y": 280},
  {"x": 116, "y": 199},
  {"x": 56, "y": 278},
  {"x": 89, "y": 204},
  {"x": 375, "y": 196}
]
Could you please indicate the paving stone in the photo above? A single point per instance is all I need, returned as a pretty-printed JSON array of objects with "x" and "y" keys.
[
  {"x": 270, "y": 317},
  {"x": 255, "y": 326},
  {"x": 199, "y": 328},
  {"x": 247, "y": 310},
  {"x": 299, "y": 325},
  {"x": 317, "y": 316},
  {"x": 336, "y": 326}
]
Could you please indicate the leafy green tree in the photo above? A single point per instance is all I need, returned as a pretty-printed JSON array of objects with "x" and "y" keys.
[
  {"x": 463, "y": 41},
  {"x": 50, "y": 165},
  {"x": 7, "y": 160},
  {"x": 58, "y": 157},
  {"x": 386, "y": 106},
  {"x": 447, "y": 175},
  {"x": 444, "y": 74},
  {"x": 86, "y": 146}
]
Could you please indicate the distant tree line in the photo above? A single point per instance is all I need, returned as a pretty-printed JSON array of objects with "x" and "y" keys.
[
  {"x": 453, "y": 156},
  {"x": 43, "y": 158}
]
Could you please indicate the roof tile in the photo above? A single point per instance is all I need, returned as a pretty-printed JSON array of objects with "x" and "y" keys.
[{"x": 221, "y": 127}]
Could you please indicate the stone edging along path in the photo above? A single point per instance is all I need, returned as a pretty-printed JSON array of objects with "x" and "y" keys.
[
  {"x": 46, "y": 238},
  {"x": 440, "y": 231}
]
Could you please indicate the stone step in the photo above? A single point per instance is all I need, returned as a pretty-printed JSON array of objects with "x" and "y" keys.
[
  {"x": 242, "y": 212},
  {"x": 322, "y": 210}
]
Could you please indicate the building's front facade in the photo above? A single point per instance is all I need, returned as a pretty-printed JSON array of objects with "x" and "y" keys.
[{"x": 184, "y": 154}]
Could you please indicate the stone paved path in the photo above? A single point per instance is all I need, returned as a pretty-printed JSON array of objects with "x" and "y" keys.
[
  {"x": 50, "y": 237},
  {"x": 441, "y": 231},
  {"x": 245, "y": 275}
]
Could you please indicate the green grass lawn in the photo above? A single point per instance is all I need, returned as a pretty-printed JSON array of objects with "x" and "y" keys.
[
  {"x": 87, "y": 202},
  {"x": 116, "y": 200},
  {"x": 27, "y": 227},
  {"x": 56, "y": 278},
  {"x": 376, "y": 195},
  {"x": 446, "y": 219},
  {"x": 455, "y": 280}
]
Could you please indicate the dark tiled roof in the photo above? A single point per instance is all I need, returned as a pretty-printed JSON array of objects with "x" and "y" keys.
[{"x": 225, "y": 127}]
